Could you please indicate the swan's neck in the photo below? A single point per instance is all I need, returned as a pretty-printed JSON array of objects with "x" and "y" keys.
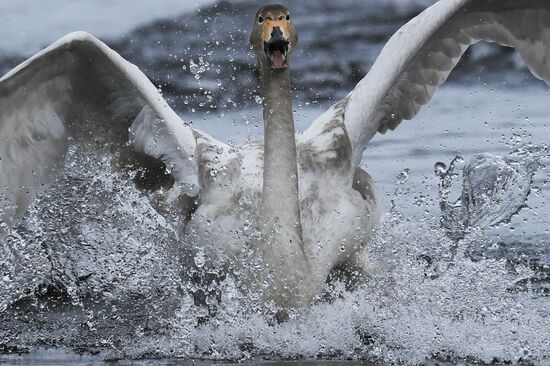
[{"x": 280, "y": 200}]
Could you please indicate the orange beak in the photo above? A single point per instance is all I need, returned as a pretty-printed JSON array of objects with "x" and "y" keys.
[{"x": 269, "y": 25}]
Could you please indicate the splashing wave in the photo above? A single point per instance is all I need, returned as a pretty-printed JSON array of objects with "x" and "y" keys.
[{"x": 94, "y": 265}]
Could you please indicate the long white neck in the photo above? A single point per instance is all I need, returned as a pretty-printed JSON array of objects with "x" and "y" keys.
[{"x": 280, "y": 200}]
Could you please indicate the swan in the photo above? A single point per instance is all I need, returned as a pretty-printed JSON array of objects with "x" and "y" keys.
[{"x": 312, "y": 207}]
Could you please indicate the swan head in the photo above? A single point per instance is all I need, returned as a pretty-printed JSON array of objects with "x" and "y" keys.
[{"x": 273, "y": 37}]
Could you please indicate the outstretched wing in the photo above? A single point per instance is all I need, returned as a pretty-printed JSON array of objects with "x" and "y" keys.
[
  {"x": 78, "y": 87},
  {"x": 420, "y": 56}
]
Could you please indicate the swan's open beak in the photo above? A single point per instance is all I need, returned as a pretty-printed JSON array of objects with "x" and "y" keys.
[{"x": 276, "y": 47}]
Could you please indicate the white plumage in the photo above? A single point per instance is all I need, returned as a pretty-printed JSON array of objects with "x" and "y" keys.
[{"x": 79, "y": 88}]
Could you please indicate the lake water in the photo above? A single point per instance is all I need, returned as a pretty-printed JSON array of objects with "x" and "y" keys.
[{"x": 431, "y": 299}]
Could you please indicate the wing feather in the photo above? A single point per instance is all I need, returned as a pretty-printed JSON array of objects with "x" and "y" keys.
[
  {"x": 420, "y": 56},
  {"x": 79, "y": 86}
]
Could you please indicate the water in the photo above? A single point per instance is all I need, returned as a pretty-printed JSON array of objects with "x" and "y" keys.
[
  {"x": 104, "y": 274},
  {"x": 26, "y": 28},
  {"x": 115, "y": 284},
  {"x": 172, "y": 49},
  {"x": 61, "y": 357},
  {"x": 494, "y": 188}
]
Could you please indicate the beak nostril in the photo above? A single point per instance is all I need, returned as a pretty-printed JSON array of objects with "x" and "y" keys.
[{"x": 276, "y": 32}]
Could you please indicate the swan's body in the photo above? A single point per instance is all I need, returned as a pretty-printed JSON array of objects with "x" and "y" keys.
[{"x": 306, "y": 223}]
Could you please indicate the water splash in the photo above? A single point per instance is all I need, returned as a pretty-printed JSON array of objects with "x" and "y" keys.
[
  {"x": 403, "y": 314},
  {"x": 494, "y": 189},
  {"x": 109, "y": 272}
]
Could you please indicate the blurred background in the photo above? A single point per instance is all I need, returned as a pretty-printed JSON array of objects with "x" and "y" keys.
[{"x": 197, "y": 51}]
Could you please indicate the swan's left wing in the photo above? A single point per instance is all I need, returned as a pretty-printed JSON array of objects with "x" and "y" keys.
[{"x": 420, "y": 56}]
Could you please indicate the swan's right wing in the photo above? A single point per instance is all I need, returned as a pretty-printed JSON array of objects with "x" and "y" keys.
[
  {"x": 420, "y": 56},
  {"x": 80, "y": 87}
]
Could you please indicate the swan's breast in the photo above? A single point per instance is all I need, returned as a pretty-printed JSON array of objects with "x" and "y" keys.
[{"x": 337, "y": 219}]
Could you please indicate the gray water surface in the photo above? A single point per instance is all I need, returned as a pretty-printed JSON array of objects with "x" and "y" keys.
[{"x": 61, "y": 357}]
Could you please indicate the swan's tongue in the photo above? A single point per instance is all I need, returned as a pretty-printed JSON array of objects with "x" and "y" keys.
[{"x": 278, "y": 59}]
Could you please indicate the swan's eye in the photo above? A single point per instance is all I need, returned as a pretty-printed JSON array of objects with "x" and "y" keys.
[
  {"x": 287, "y": 17},
  {"x": 260, "y": 19}
]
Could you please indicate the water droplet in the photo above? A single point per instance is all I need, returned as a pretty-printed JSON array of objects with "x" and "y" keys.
[
  {"x": 403, "y": 176},
  {"x": 199, "y": 259}
]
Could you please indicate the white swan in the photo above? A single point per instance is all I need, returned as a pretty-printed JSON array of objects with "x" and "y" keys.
[{"x": 312, "y": 206}]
